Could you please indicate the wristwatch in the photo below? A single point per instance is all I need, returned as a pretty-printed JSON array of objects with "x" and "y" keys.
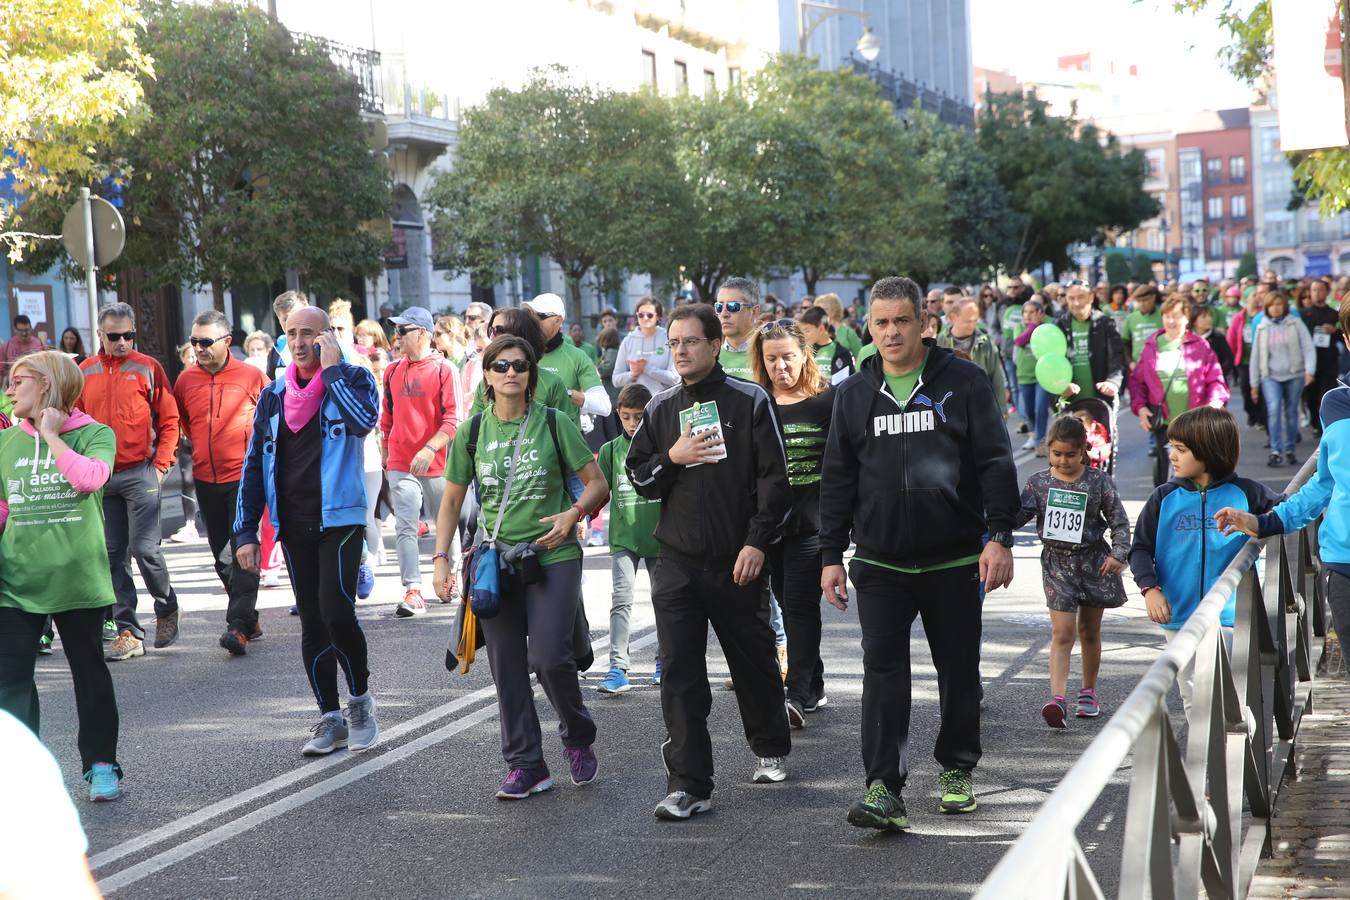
[{"x": 1001, "y": 537}]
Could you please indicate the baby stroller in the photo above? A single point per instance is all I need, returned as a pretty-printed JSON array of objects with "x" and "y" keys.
[{"x": 1104, "y": 414}]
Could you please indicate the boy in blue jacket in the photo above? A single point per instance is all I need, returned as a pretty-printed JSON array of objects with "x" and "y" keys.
[{"x": 1179, "y": 548}]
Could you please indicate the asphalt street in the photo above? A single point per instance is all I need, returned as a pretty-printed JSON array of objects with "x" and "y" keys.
[{"x": 218, "y": 801}]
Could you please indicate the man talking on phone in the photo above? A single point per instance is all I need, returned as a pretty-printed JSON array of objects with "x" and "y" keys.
[
  {"x": 306, "y": 462},
  {"x": 711, "y": 451}
]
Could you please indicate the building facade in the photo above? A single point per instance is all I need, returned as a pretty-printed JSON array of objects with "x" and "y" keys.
[{"x": 1215, "y": 171}]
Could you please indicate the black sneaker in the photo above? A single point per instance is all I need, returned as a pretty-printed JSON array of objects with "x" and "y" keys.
[
  {"x": 795, "y": 714},
  {"x": 680, "y": 805},
  {"x": 1290, "y": 458},
  {"x": 234, "y": 641},
  {"x": 1023, "y": 429},
  {"x": 1274, "y": 461},
  {"x": 816, "y": 703},
  {"x": 879, "y": 809}
]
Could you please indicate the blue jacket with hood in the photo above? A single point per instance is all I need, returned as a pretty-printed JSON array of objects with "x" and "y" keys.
[
  {"x": 1178, "y": 547},
  {"x": 349, "y": 411}
]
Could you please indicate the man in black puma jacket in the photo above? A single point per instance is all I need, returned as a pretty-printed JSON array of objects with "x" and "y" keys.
[
  {"x": 917, "y": 469},
  {"x": 724, "y": 500}
]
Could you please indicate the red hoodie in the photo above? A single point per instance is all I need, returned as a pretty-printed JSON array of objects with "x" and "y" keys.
[{"x": 419, "y": 401}]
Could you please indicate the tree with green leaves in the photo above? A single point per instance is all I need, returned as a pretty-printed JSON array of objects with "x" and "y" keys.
[
  {"x": 1070, "y": 182},
  {"x": 1117, "y": 268},
  {"x": 1141, "y": 267},
  {"x": 556, "y": 169},
  {"x": 1246, "y": 267},
  {"x": 70, "y": 79}
]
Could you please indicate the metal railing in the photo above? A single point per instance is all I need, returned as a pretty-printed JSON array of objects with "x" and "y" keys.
[{"x": 1187, "y": 829}]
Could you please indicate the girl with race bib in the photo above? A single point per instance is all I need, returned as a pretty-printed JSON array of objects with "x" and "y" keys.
[{"x": 1074, "y": 506}]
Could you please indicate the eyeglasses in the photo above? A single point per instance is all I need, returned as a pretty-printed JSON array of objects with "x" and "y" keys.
[
  {"x": 473, "y": 317},
  {"x": 203, "y": 343},
  {"x": 17, "y": 380},
  {"x": 788, "y": 324},
  {"x": 115, "y": 336},
  {"x": 646, "y": 315},
  {"x": 498, "y": 331},
  {"x": 731, "y": 306},
  {"x": 686, "y": 343},
  {"x": 502, "y": 366},
  {"x": 405, "y": 330}
]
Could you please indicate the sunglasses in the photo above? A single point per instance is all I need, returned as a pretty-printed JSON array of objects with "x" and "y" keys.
[
  {"x": 787, "y": 324},
  {"x": 502, "y": 366},
  {"x": 405, "y": 330},
  {"x": 646, "y": 315},
  {"x": 115, "y": 336},
  {"x": 732, "y": 306},
  {"x": 203, "y": 343}
]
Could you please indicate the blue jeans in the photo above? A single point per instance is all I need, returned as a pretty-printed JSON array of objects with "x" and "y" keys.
[
  {"x": 1282, "y": 411},
  {"x": 1033, "y": 402}
]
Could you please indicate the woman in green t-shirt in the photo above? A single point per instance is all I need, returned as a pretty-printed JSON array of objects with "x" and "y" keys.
[
  {"x": 523, "y": 454},
  {"x": 53, "y": 558}
]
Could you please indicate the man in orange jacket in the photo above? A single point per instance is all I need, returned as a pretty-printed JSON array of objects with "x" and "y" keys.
[
  {"x": 130, "y": 393},
  {"x": 216, "y": 399}
]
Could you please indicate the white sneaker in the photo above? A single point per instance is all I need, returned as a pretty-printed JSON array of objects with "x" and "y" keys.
[
  {"x": 1030, "y": 444},
  {"x": 187, "y": 533},
  {"x": 769, "y": 771},
  {"x": 270, "y": 578}
]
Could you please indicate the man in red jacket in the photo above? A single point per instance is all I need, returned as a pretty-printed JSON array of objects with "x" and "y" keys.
[
  {"x": 130, "y": 393},
  {"x": 216, "y": 399},
  {"x": 417, "y": 424}
]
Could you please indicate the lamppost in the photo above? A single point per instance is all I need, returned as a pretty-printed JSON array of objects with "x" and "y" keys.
[{"x": 868, "y": 45}]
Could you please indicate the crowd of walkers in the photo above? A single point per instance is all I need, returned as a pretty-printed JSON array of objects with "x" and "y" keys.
[{"x": 741, "y": 448}]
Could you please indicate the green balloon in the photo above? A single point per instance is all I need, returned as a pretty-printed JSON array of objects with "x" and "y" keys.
[
  {"x": 1048, "y": 340},
  {"x": 1054, "y": 372}
]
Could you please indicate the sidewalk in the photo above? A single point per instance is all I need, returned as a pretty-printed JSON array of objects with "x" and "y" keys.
[{"x": 1312, "y": 823}]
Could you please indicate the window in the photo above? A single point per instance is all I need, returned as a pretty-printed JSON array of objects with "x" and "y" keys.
[
  {"x": 681, "y": 77},
  {"x": 1156, "y": 239},
  {"x": 1155, "y": 163},
  {"x": 1242, "y": 243},
  {"x": 649, "y": 68},
  {"x": 709, "y": 82},
  {"x": 733, "y": 77},
  {"x": 1214, "y": 170},
  {"x": 1216, "y": 246},
  {"x": 1237, "y": 168},
  {"x": 1279, "y": 232},
  {"x": 1214, "y": 209},
  {"x": 1238, "y": 205},
  {"x": 1189, "y": 163}
]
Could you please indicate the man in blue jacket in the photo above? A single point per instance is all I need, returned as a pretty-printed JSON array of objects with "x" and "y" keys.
[
  {"x": 918, "y": 468},
  {"x": 305, "y": 461}
]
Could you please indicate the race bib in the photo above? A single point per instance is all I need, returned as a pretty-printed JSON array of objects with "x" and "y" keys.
[
  {"x": 703, "y": 417},
  {"x": 1321, "y": 339},
  {"x": 1065, "y": 512}
]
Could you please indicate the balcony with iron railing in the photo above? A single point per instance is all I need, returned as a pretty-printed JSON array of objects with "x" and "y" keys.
[{"x": 902, "y": 93}]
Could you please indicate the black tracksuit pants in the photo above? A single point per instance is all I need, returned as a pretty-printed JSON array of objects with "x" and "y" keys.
[
  {"x": 948, "y": 602},
  {"x": 688, "y": 598},
  {"x": 82, "y": 642},
  {"x": 217, "y": 507},
  {"x": 795, "y": 561},
  {"x": 323, "y": 564}
]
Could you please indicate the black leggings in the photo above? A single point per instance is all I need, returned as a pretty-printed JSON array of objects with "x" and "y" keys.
[
  {"x": 82, "y": 641},
  {"x": 323, "y": 566},
  {"x": 795, "y": 575}
]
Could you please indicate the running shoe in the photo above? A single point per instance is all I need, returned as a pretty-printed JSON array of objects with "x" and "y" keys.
[
  {"x": 412, "y": 604},
  {"x": 581, "y": 762},
  {"x": 958, "y": 793},
  {"x": 1023, "y": 428},
  {"x": 187, "y": 533},
  {"x": 816, "y": 703},
  {"x": 656, "y": 675},
  {"x": 109, "y": 630},
  {"x": 1088, "y": 705},
  {"x": 423, "y": 529},
  {"x": 166, "y": 629},
  {"x": 1275, "y": 461},
  {"x": 680, "y": 805},
  {"x": 365, "y": 581},
  {"x": 521, "y": 783},
  {"x": 1290, "y": 458},
  {"x": 1055, "y": 712},
  {"x": 879, "y": 809},
  {"x": 45, "y": 645},
  {"x": 796, "y": 715},
  {"x": 330, "y": 733},
  {"x": 126, "y": 646},
  {"x": 616, "y": 682},
  {"x": 1030, "y": 443},
  {"x": 365, "y": 731},
  {"x": 234, "y": 641},
  {"x": 103, "y": 782},
  {"x": 257, "y": 632},
  {"x": 769, "y": 771},
  {"x": 295, "y": 610},
  {"x": 270, "y": 578}
]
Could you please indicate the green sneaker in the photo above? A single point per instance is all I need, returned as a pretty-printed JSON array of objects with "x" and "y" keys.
[
  {"x": 879, "y": 809},
  {"x": 109, "y": 630},
  {"x": 958, "y": 794},
  {"x": 45, "y": 645}
]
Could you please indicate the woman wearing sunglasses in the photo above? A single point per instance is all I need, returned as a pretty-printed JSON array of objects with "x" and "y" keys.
[
  {"x": 643, "y": 358},
  {"x": 784, "y": 365},
  {"x": 520, "y": 455}
]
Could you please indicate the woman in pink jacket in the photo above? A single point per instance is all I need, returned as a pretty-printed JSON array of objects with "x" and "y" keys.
[{"x": 1177, "y": 371}]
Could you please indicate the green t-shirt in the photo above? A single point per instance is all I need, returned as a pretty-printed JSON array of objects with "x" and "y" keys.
[
  {"x": 846, "y": 336},
  {"x": 1082, "y": 358},
  {"x": 574, "y": 369},
  {"x": 1171, "y": 368},
  {"x": 539, "y": 488},
  {"x": 549, "y": 391},
  {"x": 589, "y": 349},
  {"x": 1012, "y": 321},
  {"x": 825, "y": 358},
  {"x": 632, "y": 517},
  {"x": 866, "y": 351},
  {"x": 902, "y": 386},
  {"x": 1219, "y": 312},
  {"x": 736, "y": 363},
  {"x": 1138, "y": 329},
  {"x": 53, "y": 557},
  {"x": 1026, "y": 365}
]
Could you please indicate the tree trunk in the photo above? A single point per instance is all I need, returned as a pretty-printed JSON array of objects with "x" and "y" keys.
[
  {"x": 810, "y": 277},
  {"x": 218, "y": 294},
  {"x": 574, "y": 294}
]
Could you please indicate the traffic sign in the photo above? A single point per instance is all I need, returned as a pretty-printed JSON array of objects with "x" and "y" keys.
[{"x": 110, "y": 235}]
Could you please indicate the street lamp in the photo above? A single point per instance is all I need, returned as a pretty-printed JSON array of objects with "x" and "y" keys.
[{"x": 868, "y": 46}]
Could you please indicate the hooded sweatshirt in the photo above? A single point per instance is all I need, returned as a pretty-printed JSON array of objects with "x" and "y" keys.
[{"x": 52, "y": 516}]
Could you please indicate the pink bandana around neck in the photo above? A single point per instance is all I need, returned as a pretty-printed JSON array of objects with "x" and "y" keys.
[{"x": 300, "y": 403}]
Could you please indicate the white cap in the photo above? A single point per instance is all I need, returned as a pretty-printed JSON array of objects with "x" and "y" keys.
[{"x": 547, "y": 305}]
